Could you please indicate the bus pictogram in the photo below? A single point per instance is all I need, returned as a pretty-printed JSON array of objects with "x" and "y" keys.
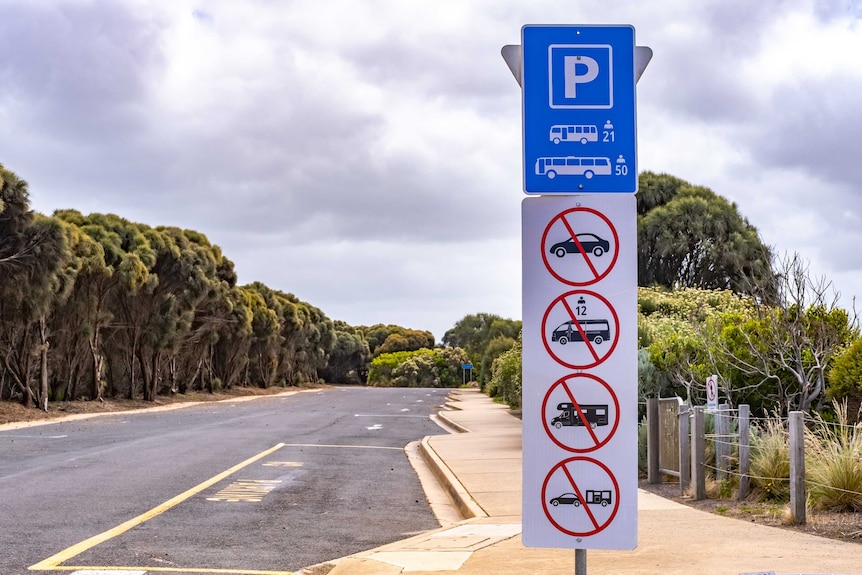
[{"x": 580, "y": 329}]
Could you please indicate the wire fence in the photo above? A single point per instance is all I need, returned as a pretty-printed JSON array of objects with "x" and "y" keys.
[{"x": 828, "y": 463}]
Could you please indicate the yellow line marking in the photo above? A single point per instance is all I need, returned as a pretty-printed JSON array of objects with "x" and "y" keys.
[
  {"x": 173, "y": 570},
  {"x": 251, "y": 490},
  {"x": 53, "y": 561}
]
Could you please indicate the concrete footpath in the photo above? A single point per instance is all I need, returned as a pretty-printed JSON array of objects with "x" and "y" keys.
[{"x": 480, "y": 469}]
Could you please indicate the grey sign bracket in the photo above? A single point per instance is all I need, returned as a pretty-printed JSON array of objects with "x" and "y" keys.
[{"x": 513, "y": 56}]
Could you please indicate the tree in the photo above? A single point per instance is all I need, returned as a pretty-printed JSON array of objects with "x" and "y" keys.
[
  {"x": 438, "y": 367},
  {"x": 391, "y": 338},
  {"x": 688, "y": 236},
  {"x": 506, "y": 379},
  {"x": 675, "y": 357},
  {"x": 474, "y": 333},
  {"x": 790, "y": 346},
  {"x": 845, "y": 379},
  {"x": 349, "y": 358}
]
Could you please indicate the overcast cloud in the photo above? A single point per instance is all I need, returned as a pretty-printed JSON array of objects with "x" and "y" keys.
[{"x": 365, "y": 155}]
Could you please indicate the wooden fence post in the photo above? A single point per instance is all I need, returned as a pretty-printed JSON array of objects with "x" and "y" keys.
[
  {"x": 684, "y": 450},
  {"x": 698, "y": 455},
  {"x": 797, "y": 467},
  {"x": 744, "y": 451},
  {"x": 722, "y": 442},
  {"x": 653, "y": 474}
]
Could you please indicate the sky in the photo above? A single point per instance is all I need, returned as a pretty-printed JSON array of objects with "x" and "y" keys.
[{"x": 366, "y": 155}]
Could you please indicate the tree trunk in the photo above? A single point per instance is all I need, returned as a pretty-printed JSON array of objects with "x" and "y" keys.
[
  {"x": 43, "y": 393},
  {"x": 98, "y": 360}
]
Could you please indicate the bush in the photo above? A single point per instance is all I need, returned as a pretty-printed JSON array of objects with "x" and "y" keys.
[
  {"x": 833, "y": 466},
  {"x": 770, "y": 460},
  {"x": 438, "y": 367},
  {"x": 506, "y": 376}
]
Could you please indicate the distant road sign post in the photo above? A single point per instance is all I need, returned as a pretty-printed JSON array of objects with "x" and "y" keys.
[{"x": 464, "y": 368}]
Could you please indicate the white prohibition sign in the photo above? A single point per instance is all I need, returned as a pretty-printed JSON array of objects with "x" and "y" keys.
[
  {"x": 580, "y": 496},
  {"x": 712, "y": 392},
  {"x": 580, "y": 329},
  {"x": 580, "y": 412},
  {"x": 580, "y": 246}
]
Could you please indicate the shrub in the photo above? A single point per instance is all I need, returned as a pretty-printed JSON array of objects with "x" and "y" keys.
[
  {"x": 506, "y": 376},
  {"x": 833, "y": 466},
  {"x": 770, "y": 460}
]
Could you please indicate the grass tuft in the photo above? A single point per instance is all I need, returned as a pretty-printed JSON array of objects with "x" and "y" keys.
[{"x": 833, "y": 463}]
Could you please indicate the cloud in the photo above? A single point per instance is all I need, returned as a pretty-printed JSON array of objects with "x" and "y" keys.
[{"x": 367, "y": 155}]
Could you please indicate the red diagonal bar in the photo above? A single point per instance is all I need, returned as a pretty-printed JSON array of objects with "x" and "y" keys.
[
  {"x": 580, "y": 329},
  {"x": 581, "y": 497},
  {"x": 580, "y": 413},
  {"x": 580, "y": 247}
]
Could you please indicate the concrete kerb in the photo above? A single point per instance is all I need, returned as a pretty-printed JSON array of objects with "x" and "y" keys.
[
  {"x": 463, "y": 501},
  {"x": 453, "y": 424}
]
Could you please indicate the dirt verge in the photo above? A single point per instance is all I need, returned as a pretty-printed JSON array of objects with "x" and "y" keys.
[
  {"x": 844, "y": 526},
  {"x": 13, "y": 412}
]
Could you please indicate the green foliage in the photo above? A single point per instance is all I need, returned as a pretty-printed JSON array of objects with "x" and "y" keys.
[
  {"x": 475, "y": 334},
  {"x": 770, "y": 460},
  {"x": 98, "y": 304},
  {"x": 845, "y": 378},
  {"x": 506, "y": 380},
  {"x": 348, "y": 359},
  {"x": 393, "y": 338},
  {"x": 833, "y": 463},
  {"x": 688, "y": 236},
  {"x": 439, "y": 367}
]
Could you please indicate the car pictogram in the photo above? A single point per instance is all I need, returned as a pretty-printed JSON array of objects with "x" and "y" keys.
[{"x": 591, "y": 243}]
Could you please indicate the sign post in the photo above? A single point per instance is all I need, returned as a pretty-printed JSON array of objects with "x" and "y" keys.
[
  {"x": 712, "y": 393},
  {"x": 579, "y": 247}
]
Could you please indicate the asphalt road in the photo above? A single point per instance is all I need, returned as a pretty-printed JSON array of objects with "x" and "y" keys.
[{"x": 264, "y": 486}]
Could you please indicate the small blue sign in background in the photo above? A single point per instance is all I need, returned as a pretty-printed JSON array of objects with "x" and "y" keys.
[{"x": 579, "y": 109}]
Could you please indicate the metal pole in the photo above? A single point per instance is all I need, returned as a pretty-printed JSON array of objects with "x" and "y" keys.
[{"x": 580, "y": 562}]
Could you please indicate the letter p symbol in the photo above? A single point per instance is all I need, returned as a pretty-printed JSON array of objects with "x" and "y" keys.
[{"x": 578, "y": 70}]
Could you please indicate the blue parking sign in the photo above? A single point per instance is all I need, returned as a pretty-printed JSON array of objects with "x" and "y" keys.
[
  {"x": 579, "y": 109},
  {"x": 581, "y": 77}
]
